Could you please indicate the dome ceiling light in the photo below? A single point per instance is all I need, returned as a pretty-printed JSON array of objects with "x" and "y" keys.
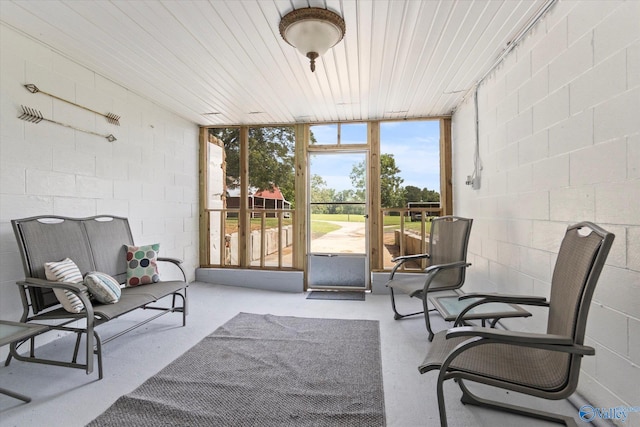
[{"x": 312, "y": 31}]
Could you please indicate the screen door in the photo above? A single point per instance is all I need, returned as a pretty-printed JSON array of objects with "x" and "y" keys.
[{"x": 338, "y": 242}]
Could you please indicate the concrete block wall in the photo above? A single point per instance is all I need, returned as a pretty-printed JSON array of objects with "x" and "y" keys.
[
  {"x": 559, "y": 143},
  {"x": 150, "y": 174}
]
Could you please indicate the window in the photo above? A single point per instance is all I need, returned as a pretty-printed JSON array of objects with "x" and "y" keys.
[
  {"x": 339, "y": 134},
  {"x": 252, "y": 179},
  {"x": 251, "y": 224},
  {"x": 409, "y": 184}
]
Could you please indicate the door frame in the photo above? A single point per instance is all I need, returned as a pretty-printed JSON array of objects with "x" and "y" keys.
[
  {"x": 303, "y": 148},
  {"x": 340, "y": 258}
]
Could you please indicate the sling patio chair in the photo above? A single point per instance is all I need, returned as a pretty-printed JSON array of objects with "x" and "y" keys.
[
  {"x": 541, "y": 365},
  {"x": 447, "y": 265}
]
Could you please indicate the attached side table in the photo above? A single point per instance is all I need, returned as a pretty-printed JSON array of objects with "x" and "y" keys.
[
  {"x": 11, "y": 332},
  {"x": 450, "y": 307}
]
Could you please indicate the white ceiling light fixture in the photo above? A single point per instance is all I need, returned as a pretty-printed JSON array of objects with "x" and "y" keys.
[{"x": 312, "y": 31}]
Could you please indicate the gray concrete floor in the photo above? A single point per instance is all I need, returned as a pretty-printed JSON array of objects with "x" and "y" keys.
[{"x": 69, "y": 397}]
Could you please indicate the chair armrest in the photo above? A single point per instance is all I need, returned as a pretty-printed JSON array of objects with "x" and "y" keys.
[
  {"x": 79, "y": 289},
  {"x": 515, "y": 299},
  {"x": 503, "y": 298},
  {"x": 526, "y": 339},
  {"x": 42, "y": 283},
  {"x": 457, "y": 264},
  {"x": 410, "y": 257},
  {"x": 402, "y": 259},
  {"x": 432, "y": 272},
  {"x": 178, "y": 263}
]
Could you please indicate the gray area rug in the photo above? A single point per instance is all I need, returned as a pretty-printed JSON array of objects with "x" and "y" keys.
[{"x": 265, "y": 370}]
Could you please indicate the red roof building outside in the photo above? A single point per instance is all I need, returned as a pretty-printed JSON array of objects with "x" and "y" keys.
[
  {"x": 274, "y": 194},
  {"x": 264, "y": 199}
]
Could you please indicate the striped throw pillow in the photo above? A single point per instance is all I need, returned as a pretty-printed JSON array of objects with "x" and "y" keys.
[
  {"x": 102, "y": 287},
  {"x": 65, "y": 271}
]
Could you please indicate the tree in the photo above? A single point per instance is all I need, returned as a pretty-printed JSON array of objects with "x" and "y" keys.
[
  {"x": 348, "y": 195},
  {"x": 391, "y": 191},
  {"x": 430, "y": 195},
  {"x": 271, "y": 158},
  {"x": 321, "y": 194},
  {"x": 412, "y": 194},
  {"x": 358, "y": 180}
]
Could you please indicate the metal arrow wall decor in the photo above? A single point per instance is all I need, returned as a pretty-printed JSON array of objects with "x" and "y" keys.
[
  {"x": 32, "y": 115},
  {"x": 111, "y": 118}
]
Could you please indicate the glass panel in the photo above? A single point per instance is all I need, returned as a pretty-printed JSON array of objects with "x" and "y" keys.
[
  {"x": 337, "y": 177},
  {"x": 271, "y": 167},
  {"x": 230, "y": 138},
  {"x": 215, "y": 183},
  {"x": 216, "y": 242},
  {"x": 7, "y": 330},
  {"x": 450, "y": 307},
  {"x": 271, "y": 195},
  {"x": 338, "y": 208},
  {"x": 401, "y": 236},
  {"x": 232, "y": 251},
  {"x": 271, "y": 239},
  {"x": 286, "y": 242},
  {"x": 224, "y": 191},
  {"x": 324, "y": 134},
  {"x": 353, "y": 133},
  {"x": 391, "y": 224},
  {"x": 409, "y": 186},
  {"x": 223, "y": 247},
  {"x": 339, "y": 134},
  {"x": 410, "y": 162}
]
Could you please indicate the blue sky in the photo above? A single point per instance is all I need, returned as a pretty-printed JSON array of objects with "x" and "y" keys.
[{"x": 414, "y": 145}]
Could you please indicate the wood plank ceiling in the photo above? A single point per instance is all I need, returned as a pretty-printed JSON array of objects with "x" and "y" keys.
[{"x": 224, "y": 62}]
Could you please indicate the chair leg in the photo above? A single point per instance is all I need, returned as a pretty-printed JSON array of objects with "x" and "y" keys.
[
  {"x": 76, "y": 350},
  {"x": 182, "y": 309},
  {"x": 472, "y": 399},
  {"x": 440, "y": 394},
  {"x": 397, "y": 315},
  {"x": 98, "y": 352},
  {"x": 427, "y": 321},
  {"x": 8, "y": 359}
]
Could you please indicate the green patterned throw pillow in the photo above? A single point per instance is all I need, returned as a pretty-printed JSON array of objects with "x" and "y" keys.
[{"x": 142, "y": 264}]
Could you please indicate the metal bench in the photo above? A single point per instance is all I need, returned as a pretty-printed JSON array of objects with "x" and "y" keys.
[{"x": 94, "y": 244}]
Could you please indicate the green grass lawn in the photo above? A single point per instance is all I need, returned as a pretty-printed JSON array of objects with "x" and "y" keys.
[
  {"x": 390, "y": 222},
  {"x": 393, "y": 223},
  {"x": 338, "y": 217},
  {"x": 320, "y": 226}
]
